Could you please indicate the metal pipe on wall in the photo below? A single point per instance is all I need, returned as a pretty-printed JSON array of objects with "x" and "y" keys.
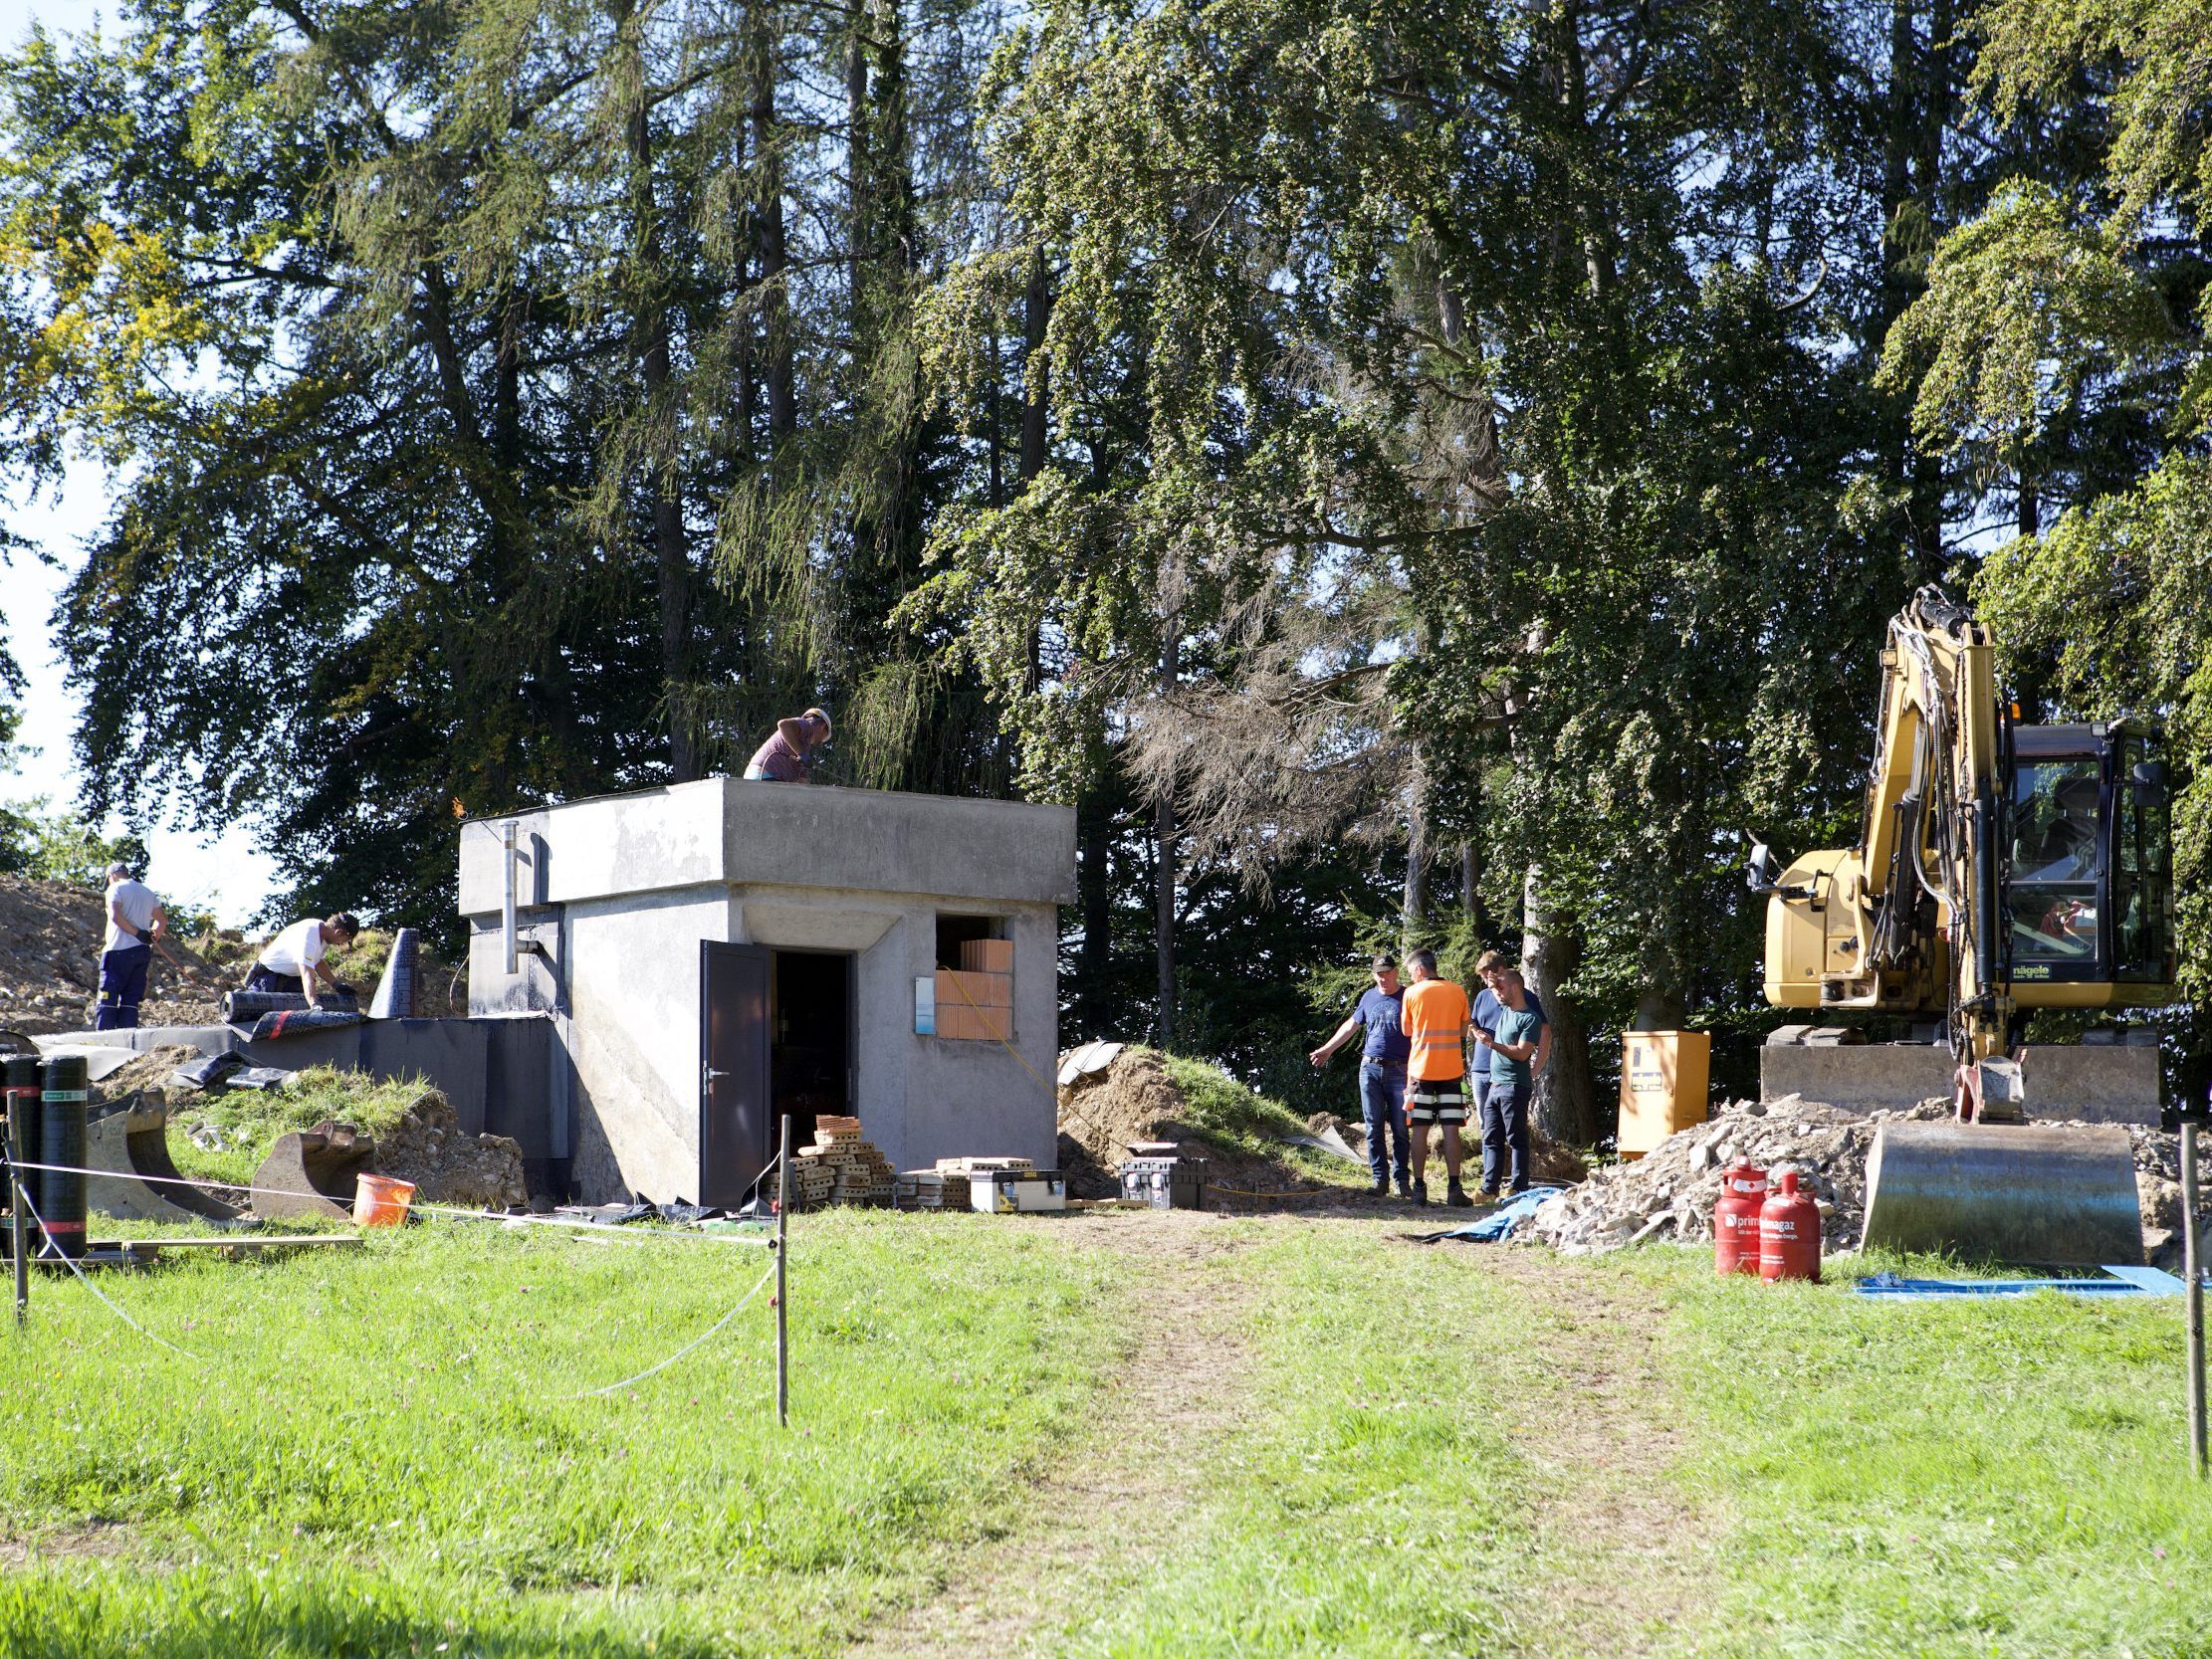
[{"x": 507, "y": 904}]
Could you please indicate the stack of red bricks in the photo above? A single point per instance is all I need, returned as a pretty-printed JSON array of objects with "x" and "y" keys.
[
  {"x": 975, "y": 1001},
  {"x": 842, "y": 1166}
]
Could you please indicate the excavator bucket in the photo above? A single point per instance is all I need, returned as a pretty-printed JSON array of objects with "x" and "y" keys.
[
  {"x": 137, "y": 1181},
  {"x": 2009, "y": 1193},
  {"x": 312, "y": 1173}
]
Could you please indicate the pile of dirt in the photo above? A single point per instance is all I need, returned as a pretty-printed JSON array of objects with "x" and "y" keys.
[
  {"x": 148, "y": 1073},
  {"x": 1135, "y": 1098},
  {"x": 1669, "y": 1196},
  {"x": 447, "y": 1166},
  {"x": 50, "y": 936}
]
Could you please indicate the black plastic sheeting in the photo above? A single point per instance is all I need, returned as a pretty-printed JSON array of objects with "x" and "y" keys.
[{"x": 239, "y": 1007}]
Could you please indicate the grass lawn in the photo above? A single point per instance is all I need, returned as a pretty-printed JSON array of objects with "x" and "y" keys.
[{"x": 378, "y": 1457}]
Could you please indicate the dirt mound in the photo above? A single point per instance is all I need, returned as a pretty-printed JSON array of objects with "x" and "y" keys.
[
  {"x": 50, "y": 935},
  {"x": 150, "y": 1072},
  {"x": 1669, "y": 1194},
  {"x": 447, "y": 1166},
  {"x": 1135, "y": 1098}
]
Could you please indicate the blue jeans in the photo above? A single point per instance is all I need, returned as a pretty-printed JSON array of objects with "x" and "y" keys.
[
  {"x": 1503, "y": 1107},
  {"x": 123, "y": 986},
  {"x": 1382, "y": 1105}
]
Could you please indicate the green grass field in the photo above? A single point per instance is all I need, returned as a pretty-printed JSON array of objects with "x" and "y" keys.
[{"x": 378, "y": 1455}]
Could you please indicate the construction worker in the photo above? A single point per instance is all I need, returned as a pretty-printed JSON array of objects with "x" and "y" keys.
[
  {"x": 789, "y": 754},
  {"x": 1436, "y": 1013},
  {"x": 1513, "y": 1042},
  {"x": 1490, "y": 968},
  {"x": 294, "y": 961},
  {"x": 1381, "y": 1072},
  {"x": 136, "y": 919}
]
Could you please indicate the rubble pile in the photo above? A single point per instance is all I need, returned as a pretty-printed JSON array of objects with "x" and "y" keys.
[
  {"x": 1669, "y": 1196},
  {"x": 429, "y": 1148}
]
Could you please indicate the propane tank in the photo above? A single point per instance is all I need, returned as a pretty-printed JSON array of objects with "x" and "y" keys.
[
  {"x": 1790, "y": 1233},
  {"x": 1736, "y": 1218}
]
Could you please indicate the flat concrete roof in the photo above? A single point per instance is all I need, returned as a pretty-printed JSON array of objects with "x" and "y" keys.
[{"x": 725, "y": 830}]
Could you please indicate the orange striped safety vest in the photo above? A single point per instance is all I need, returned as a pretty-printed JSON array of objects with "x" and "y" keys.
[{"x": 1435, "y": 1018}]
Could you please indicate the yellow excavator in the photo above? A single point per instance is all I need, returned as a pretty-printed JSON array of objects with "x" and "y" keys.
[{"x": 2002, "y": 867}]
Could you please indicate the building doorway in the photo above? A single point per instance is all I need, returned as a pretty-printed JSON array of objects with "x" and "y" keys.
[{"x": 810, "y": 1049}]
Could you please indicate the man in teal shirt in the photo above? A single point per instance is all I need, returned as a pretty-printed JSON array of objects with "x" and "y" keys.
[{"x": 1512, "y": 1042}]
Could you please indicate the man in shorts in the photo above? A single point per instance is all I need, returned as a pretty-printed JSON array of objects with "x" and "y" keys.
[{"x": 1435, "y": 1015}]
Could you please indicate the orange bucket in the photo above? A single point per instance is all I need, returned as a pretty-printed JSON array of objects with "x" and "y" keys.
[{"x": 381, "y": 1201}]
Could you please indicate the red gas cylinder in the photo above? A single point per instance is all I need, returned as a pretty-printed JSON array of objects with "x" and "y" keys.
[
  {"x": 1736, "y": 1218},
  {"x": 1788, "y": 1233}
]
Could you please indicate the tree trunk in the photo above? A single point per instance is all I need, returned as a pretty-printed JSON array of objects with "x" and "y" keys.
[
  {"x": 1470, "y": 887},
  {"x": 650, "y": 326},
  {"x": 1417, "y": 861},
  {"x": 1094, "y": 893},
  {"x": 1566, "y": 1105},
  {"x": 768, "y": 227},
  {"x": 1036, "y": 401},
  {"x": 1163, "y": 862}
]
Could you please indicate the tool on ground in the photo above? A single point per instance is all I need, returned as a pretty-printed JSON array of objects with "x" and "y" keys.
[
  {"x": 313, "y": 1173},
  {"x": 1960, "y": 1187},
  {"x": 137, "y": 1181},
  {"x": 2001, "y": 867}
]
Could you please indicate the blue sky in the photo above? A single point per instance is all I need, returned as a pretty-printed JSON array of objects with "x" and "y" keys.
[{"x": 226, "y": 872}]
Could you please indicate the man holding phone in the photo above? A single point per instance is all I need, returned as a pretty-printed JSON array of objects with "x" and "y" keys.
[{"x": 1513, "y": 1042}]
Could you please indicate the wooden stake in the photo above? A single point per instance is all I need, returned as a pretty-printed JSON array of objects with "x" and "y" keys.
[
  {"x": 782, "y": 1281},
  {"x": 18, "y": 1237},
  {"x": 2194, "y": 1268}
]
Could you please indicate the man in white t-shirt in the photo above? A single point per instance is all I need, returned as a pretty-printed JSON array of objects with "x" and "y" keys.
[
  {"x": 135, "y": 920},
  {"x": 293, "y": 960}
]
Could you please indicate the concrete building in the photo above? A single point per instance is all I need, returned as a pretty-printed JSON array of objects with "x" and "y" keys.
[{"x": 716, "y": 954}]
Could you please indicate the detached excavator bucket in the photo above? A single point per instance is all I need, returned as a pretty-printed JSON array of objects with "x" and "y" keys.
[
  {"x": 310, "y": 1174},
  {"x": 2009, "y": 1193},
  {"x": 138, "y": 1179}
]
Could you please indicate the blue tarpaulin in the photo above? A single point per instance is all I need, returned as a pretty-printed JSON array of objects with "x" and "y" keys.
[
  {"x": 2123, "y": 1281},
  {"x": 1500, "y": 1222}
]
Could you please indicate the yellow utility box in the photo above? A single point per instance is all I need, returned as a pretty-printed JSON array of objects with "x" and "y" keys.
[{"x": 1664, "y": 1078}]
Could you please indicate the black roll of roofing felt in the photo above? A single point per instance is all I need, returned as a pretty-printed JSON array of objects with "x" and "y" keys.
[
  {"x": 65, "y": 1089},
  {"x": 244, "y": 1007},
  {"x": 19, "y": 1089}
]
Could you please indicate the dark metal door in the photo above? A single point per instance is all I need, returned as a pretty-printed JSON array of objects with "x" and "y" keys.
[{"x": 735, "y": 981}]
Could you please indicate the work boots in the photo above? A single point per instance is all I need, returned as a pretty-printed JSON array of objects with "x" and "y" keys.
[{"x": 1456, "y": 1197}]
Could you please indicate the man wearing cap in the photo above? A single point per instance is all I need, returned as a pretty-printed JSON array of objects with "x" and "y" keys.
[
  {"x": 789, "y": 754},
  {"x": 294, "y": 961},
  {"x": 1381, "y": 1072},
  {"x": 136, "y": 919}
]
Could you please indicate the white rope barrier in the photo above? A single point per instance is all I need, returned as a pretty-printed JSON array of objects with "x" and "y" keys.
[{"x": 84, "y": 1280}]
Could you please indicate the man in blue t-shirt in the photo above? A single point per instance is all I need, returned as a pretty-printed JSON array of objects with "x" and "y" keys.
[
  {"x": 1382, "y": 1074},
  {"x": 1512, "y": 1043}
]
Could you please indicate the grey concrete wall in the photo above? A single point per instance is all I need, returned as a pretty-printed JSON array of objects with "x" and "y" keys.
[
  {"x": 729, "y": 830},
  {"x": 632, "y": 1035},
  {"x": 2073, "y": 1082}
]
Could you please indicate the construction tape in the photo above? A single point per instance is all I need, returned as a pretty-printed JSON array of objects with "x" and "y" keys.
[
  {"x": 613, "y": 1387},
  {"x": 596, "y": 1227}
]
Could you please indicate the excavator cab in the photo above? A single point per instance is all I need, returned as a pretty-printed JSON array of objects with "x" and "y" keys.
[{"x": 2088, "y": 881}]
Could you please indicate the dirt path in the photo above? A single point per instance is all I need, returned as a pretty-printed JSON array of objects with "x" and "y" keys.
[
  {"x": 1627, "y": 1545},
  {"x": 1115, "y": 1501}
]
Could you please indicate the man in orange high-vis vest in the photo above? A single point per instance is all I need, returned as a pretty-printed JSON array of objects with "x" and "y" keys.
[{"x": 1434, "y": 1017}]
